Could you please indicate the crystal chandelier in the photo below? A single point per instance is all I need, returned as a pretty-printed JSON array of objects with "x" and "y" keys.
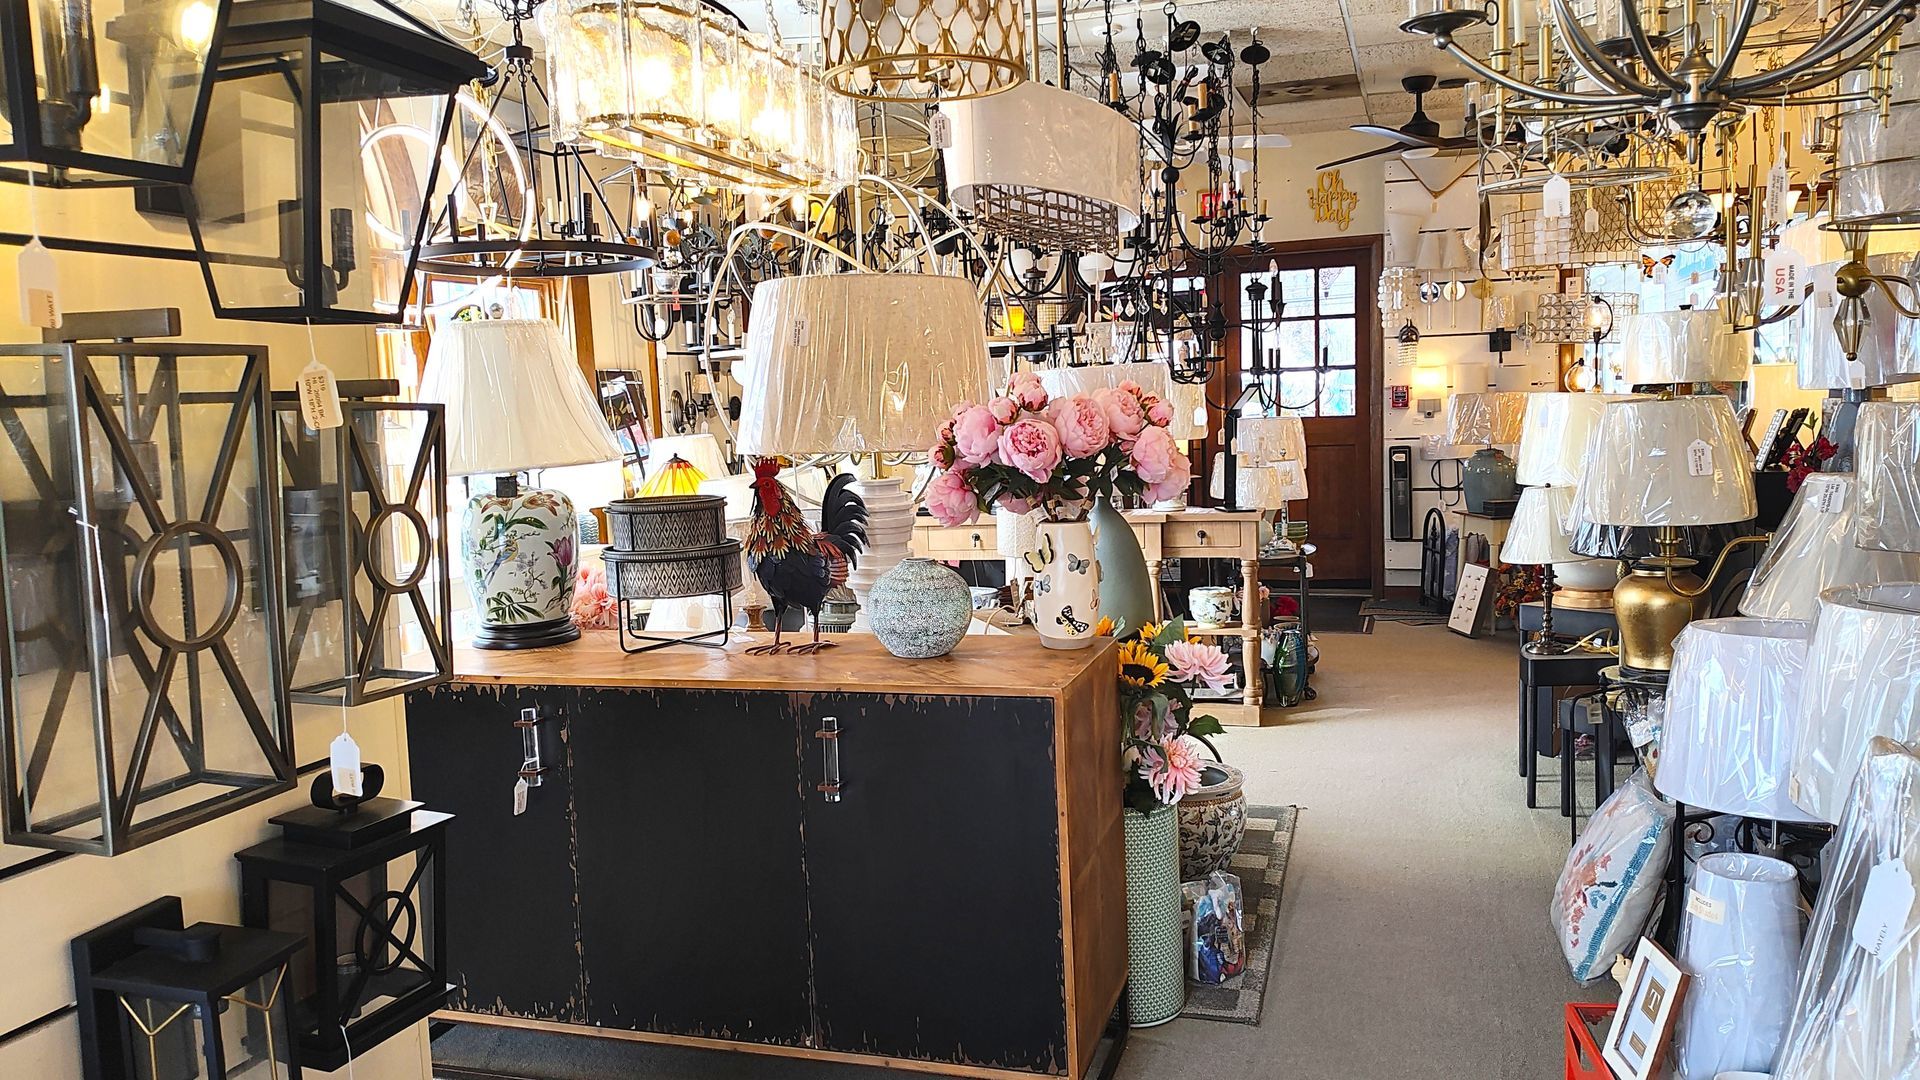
[{"x": 685, "y": 88}]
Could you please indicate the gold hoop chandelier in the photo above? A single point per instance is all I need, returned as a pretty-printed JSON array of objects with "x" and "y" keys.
[{"x": 915, "y": 50}]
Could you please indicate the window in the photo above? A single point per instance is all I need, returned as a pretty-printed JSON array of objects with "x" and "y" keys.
[{"x": 1311, "y": 360}]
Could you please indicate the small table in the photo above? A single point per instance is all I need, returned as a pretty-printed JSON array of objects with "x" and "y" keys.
[{"x": 1540, "y": 675}]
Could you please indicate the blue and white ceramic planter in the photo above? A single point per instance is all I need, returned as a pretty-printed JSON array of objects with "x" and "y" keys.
[{"x": 520, "y": 554}]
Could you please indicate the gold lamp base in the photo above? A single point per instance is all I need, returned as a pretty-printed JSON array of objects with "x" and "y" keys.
[{"x": 1652, "y": 613}]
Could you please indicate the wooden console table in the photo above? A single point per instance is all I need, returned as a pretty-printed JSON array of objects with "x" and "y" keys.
[
  {"x": 844, "y": 856},
  {"x": 1183, "y": 534}
]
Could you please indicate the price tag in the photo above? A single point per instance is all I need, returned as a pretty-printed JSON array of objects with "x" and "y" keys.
[
  {"x": 798, "y": 332},
  {"x": 1699, "y": 458},
  {"x": 1590, "y": 222},
  {"x": 1786, "y": 275},
  {"x": 1706, "y": 908},
  {"x": 940, "y": 130},
  {"x": 39, "y": 286},
  {"x": 343, "y": 758},
  {"x": 1856, "y": 374},
  {"x": 520, "y": 790},
  {"x": 319, "y": 397},
  {"x": 1556, "y": 197},
  {"x": 1884, "y": 906},
  {"x": 1823, "y": 290},
  {"x": 1777, "y": 192},
  {"x": 1830, "y": 500}
]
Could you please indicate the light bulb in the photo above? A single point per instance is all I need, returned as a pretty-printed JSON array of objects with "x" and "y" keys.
[
  {"x": 654, "y": 78},
  {"x": 1022, "y": 260},
  {"x": 196, "y": 25}
]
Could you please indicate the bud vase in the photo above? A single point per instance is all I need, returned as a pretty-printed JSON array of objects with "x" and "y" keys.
[
  {"x": 1156, "y": 938},
  {"x": 1066, "y": 584}
]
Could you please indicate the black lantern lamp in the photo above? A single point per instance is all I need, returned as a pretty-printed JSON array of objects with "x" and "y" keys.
[
  {"x": 140, "y": 657},
  {"x": 359, "y": 880},
  {"x": 157, "y": 1001},
  {"x": 369, "y": 608},
  {"x": 103, "y": 92},
  {"x": 328, "y": 120}
]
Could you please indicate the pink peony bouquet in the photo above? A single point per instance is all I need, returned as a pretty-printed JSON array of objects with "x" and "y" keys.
[
  {"x": 593, "y": 607},
  {"x": 1024, "y": 450}
]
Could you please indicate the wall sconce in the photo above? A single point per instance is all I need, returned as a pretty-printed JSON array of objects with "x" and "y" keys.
[
  {"x": 367, "y": 581},
  {"x": 1429, "y": 389},
  {"x": 141, "y": 661},
  {"x": 156, "y": 1000}
]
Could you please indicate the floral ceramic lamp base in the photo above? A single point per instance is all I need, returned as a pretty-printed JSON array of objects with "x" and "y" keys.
[{"x": 520, "y": 553}]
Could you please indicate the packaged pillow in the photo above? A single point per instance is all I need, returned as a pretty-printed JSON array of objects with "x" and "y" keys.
[{"x": 1612, "y": 878}]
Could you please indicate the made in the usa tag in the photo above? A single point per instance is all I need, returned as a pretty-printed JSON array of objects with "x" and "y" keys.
[
  {"x": 520, "y": 790},
  {"x": 798, "y": 331},
  {"x": 1699, "y": 458},
  {"x": 319, "y": 397},
  {"x": 1786, "y": 275},
  {"x": 39, "y": 286},
  {"x": 343, "y": 758},
  {"x": 1777, "y": 192}
]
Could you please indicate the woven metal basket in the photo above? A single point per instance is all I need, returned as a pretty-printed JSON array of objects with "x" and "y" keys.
[
  {"x": 665, "y": 575},
  {"x": 666, "y": 523}
]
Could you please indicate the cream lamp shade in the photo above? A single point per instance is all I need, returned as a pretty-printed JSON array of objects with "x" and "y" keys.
[
  {"x": 1814, "y": 550},
  {"x": 515, "y": 399},
  {"x": 1293, "y": 480},
  {"x": 1263, "y": 440},
  {"x": 1256, "y": 487},
  {"x": 1045, "y": 166},
  {"x": 1431, "y": 254},
  {"x": 1188, "y": 399},
  {"x": 836, "y": 363},
  {"x": 1684, "y": 347},
  {"x": 1016, "y": 534},
  {"x": 1488, "y": 419},
  {"x": 1733, "y": 704},
  {"x": 1886, "y": 452},
  {"x": 701, "y": 450},
  {"x": 1885, "y": 356},
  {"x": 1554, "y": 434},
  {"x": 1680, "y": 461},
  {"x": 1862, "y": 681},
  {"x": 1538, "y": 533}
]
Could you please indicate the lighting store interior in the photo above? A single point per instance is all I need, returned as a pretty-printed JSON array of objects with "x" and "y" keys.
[{"x": 834, "y": 539}]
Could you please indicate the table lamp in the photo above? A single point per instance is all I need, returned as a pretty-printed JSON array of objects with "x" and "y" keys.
[
  {"x": 865, "y": 364},
  {"x": 516, "y": 401},
  {"x": 1489, "y": 421},
  {"x": 1682, "y": 347},
  {"x": 1862, "y": 681},
  {"x": 1538, "y": 537},
  {"x": 1816, "y": 549},
  {"x": 1555, "y": 431},
  {"x": 1670, "y": 464},
  {"x": 1733, "y": 707}
]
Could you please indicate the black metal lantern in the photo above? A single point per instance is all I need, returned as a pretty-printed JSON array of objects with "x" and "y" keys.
[
  {"x": 104, "y": 91},
  {"x": 326, "y": 123},
  {"x": 140, "y": 652},
  {"x": 369, "y": 607},
  {"x": 364, "y": 891},
  {"x": 157, "y": 1001}
]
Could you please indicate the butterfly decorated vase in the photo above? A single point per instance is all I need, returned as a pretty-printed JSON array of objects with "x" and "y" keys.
[{"x": 1066, "y": 584}]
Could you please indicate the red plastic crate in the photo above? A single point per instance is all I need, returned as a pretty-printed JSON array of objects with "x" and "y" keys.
[{"x": 1585, "y": 1021}]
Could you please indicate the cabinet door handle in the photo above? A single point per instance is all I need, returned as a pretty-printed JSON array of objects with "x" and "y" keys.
[
  {"x": 531, "y": 768},
  {"x": 829, "y": 736}
]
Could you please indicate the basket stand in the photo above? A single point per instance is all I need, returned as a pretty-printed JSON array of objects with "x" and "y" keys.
[{"x": 709, "y": 639}]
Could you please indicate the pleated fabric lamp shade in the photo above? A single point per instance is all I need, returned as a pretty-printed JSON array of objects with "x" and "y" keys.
[
  {"x": 515, "y": 399},
  {"x": 1685, "y": 347},
  {"x": 1887, "y": 454},
  {"x": 1733, "y": 706},
  {"x": 1862, "y": 681},
  {"x": 1256, "y": 487},
  {"x": 1681, "y": 461},
  {"x": 1263, "y": 440},
  {"x": 1814, "y": 550}
]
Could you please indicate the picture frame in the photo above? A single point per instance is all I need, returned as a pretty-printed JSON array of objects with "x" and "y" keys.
[{"x": 1636, "y": 1046}]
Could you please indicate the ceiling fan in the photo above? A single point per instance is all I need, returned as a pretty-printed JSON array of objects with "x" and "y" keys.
[{"x": 1420, "y": 132}]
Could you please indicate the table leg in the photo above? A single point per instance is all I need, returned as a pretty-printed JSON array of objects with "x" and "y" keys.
[
  {"x": 1153, "y": 589},
  {"x": 1252, "y": 618},
  {"x": 1524, "y": 694}
]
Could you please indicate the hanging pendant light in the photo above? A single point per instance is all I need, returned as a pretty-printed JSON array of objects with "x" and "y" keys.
[{"x": 914, "y": 50}]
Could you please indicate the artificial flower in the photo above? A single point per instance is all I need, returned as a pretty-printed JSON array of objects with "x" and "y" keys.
[
  {"x": 593, "y": 608},
  {"x": 1152, "y": 455},
  {"x": 976, "y": 434},
  {"x": 1028, "y": 391},
  {"x": 1004, "y": 409},
  {"x": 1103, "y": 628},
  {"x": 950, "y": 500},
  {"x": 1082, "y": 425},
  {"x": 1159, "y": 412},
  {"x": 1124, "y": 414},
  {"x": 1172, "y": 770},
  {"x": 1139, "y": 667},
  {"x": 1196, "y": 661},
  {"x": 1031, "y": 445},
  {"x": 1172, "y": 485}
]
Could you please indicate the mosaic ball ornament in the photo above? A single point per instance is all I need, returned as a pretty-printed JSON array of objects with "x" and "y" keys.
[{"x": 920, "y": 609}]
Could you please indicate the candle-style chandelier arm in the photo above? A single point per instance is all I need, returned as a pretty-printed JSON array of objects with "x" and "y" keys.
[
  {"x": 1742, "y": 24},
  {"x": 1879, "y": 28},
  {"x": 1521, "y": 86},
  {"x": 1797, "y": 93},
  {"x": 1642, "y": 44},
  {"x": 1592, "y": 61}
]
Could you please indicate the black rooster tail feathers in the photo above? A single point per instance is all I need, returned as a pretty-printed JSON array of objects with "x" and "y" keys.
[{"x": 843, "y": 516}]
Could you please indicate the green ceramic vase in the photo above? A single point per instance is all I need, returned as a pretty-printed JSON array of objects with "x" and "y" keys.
[
  {"x": 1156, "y": 939},
  {"x": 1126, "y": 593}
]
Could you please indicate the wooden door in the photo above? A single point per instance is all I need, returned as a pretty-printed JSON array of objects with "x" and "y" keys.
[{"x": 1321, "y": 365}]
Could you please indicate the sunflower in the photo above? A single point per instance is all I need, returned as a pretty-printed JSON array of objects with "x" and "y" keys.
[
  {"x": 1139, "y": 667},
  {"x": 1103, "y": 628}
]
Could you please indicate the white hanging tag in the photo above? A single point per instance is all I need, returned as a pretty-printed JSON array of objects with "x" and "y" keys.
[
  {"x": 319, "y": 397},
  {"x": 520, "y": 790},
  {"x": 1885, "y": 904},
  {"x": 1831, "y": 499},
  {"x": 1777, "y": 193},
  {"x": 1556, "y": 197},
  {"x": 1590, "y": 222},
  {"x": 343, "y": 757},
  {"x": 1786, "y": 275},
  {"x": 940, "y": 130},
  {"x": 39, "y": 286},
  {"x": 1856, "y": 374},
  {"x": 1699, "y": 458},
  {"x": 1706, "y": 908}
]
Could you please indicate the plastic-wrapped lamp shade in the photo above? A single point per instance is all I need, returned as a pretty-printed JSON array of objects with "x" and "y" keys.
[
  {"x": 1489, "y": 419},
  {"x": 1554, "y": 434},
  {"x": 1293, "y": 479},
  {"x": 1857, "y": 1016},
  {"x": 1886, "y": 451},
  {"x": 1538, "y": 533},
  {"x": 1256, "y": 487},
  {"x": 1188, "y": 399},
  {"x": 1267, "y": 439},
  {"x": 1045, "y": 166},
  {"x": 1877, "y": 165},
  {"x": 1863, "y": 680},
  {"x": 1886, "y": 354},
  {"x": 1675, "y": 462},
  {"x": 1814, "y": 550},
  {"x": 1684, "y": 347},
  {"x": 846, "y": 362},
  {"x": 515, "y": 398},
  {"x": 1740, "y": 943},
  {"x": 1733, "y": 706}
]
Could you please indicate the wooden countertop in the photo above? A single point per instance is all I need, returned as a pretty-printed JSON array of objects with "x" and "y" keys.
[{"x": 983, "y": 665}]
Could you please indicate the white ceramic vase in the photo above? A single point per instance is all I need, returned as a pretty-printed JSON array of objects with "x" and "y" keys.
[
  {"x": 1740, "y": 942},
  {"x": 520, "y": 556},
  {"x": 1066, "y": 585}
]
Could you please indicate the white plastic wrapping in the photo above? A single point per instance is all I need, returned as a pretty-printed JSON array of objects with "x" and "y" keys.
[
  {"x": 1492, "y": 418},
  {"x": 846, "y": 362},
  {"x": 1611, "y": 878},
  {"x": 1188, "y": 399},
  {"x": 1554, "y": 436},
  {"x": 1681, "y": 461},
  {"x": 1885, "y": 358},
  {"x": 1259, "y": 487},
  {"x": 515, "y": 398},
  {"x": 1877, "y": 167},
  {"x": 1856, "y": 1015},
  {"x": 1050, "y": 147},
  {"x": 1733, "y": 704},
  {"x": 1740, "y": 942},
  {"x": 1814, "y": 550},
  {"x": 1016, "y": 534},
  {"x": 1538, "y": 532},
  {"x": 1684, "y": 347},
  {"x": 1266, "y": 439},
  {"x": 1886, "y": 451},
  {"x": 1863, "y": 680}
]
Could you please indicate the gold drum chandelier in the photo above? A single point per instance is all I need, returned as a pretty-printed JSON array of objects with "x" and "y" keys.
[{"x": 913, "y": 50}]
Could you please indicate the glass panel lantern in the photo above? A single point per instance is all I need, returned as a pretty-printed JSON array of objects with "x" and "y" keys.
[
  {"x": 141, "y": 660},
  {"x": 108, "y": 90},
  {"x": 208, "y": 1002},
  {"x": 329, "y": 117},
  {"x": 363, "y": 890},
  {"x": 368, "y": 604}
]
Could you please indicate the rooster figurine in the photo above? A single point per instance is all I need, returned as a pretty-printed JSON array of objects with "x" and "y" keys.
[{"x": 797, "y": 565}]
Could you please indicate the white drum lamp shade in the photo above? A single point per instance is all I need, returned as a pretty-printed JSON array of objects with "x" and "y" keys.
[
  {"x": 1256, "y": 487},
  {"x": 1886, "y": 451},
  {"x": 515, "y": 399},
  {"x": 1884, "y": 356},
  {"x": 1684, "y": 347},
  {"x": 1554, "y": 434},
  {"x": 1863, "y": 680},
  {"x": 1045, "y": 166},
  {"x": 1674, "y": 462},
  {"x": 837, "y": 363},
  {"x": 1740, "y": 943},
  {"x": 1733, "y": 706},
  {"x": 701, "y": 450},
  {"x": 1188, "y": 399},
  {"x": 1876, "y": 171},
  {"x": 1489, "y": 419},
  {"x": 1538, "y": 533},
  {"x": 1263, "y": 440},
  {"x": 1815, "y": 550}
]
